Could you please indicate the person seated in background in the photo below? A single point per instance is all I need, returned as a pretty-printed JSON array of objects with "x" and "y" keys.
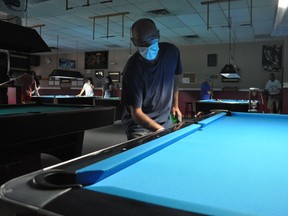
[
  {"x": 273, "y": 89},
  {"x": 88, "y": 88},
  {"x": 108, "y": 87},
  {"x": 205, "y": 90}
]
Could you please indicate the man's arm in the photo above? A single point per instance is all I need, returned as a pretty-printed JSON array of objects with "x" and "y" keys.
[
  {"x": 143, "y": 120},
  {"x": 175, "y": 104}
]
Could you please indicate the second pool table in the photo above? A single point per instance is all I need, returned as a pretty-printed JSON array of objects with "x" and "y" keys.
[
  {"x": 225, "y": 104},
  {"x": 230, "y": 164},
  {"x": 93, "y": 100},
  {"x": 27, "y": 130}
]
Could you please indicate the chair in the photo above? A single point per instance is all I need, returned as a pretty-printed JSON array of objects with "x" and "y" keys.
[{"x": 188, "y": 110}]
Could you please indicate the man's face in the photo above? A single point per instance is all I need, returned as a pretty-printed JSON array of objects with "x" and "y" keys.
[
  {"x": 143, "y": 37},
  {"x": 272, "y": 77}
]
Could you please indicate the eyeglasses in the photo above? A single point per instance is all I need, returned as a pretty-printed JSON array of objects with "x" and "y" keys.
[{"x": 147, "y": 43}]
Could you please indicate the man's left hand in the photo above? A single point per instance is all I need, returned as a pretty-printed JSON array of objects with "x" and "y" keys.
[{"x": 177, "y": 113}]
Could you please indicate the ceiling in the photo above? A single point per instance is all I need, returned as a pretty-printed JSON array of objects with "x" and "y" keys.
[{"x": 185, "y": 22}]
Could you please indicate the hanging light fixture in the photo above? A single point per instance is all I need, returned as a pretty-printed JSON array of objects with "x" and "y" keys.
[
  {"x": 14, "y": 35},
  {"x": 64, "y": 74},
  {"x": 107, "y": 16},
  {"x": 230, "y": 70}
]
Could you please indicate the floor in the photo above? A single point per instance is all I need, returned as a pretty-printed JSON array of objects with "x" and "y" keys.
[
  {"x": 94, "y": 139},
  {"x": 103, "y": 137}
]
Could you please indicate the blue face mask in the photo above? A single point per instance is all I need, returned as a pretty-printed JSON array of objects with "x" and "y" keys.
[{"x": 150, "y": 53}]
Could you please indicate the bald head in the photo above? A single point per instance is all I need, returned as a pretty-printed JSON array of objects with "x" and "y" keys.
[
  {"x": 272, "y": 76},
  {"x": 144, "y": 30}
]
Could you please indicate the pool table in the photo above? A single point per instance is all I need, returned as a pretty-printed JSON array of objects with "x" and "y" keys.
[
  {"x": 229, "y": 164},
  {"x": 64, "y": 99},
  {"x": 72, "y": 99},
  {"x": 225, "y": 104},
  {"x": 30, "y": 129}
]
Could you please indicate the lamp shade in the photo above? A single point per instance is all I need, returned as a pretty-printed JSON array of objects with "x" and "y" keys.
[
  {"x": 65, "y": 74},
  {"x": 23, "y": 39},
  {"x": 229, "y": 73},
  {"x": 229, "y": 68}
]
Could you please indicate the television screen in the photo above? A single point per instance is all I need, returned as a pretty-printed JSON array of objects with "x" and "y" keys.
[
  {"x": 67, "y": 63},
  {"x": 99, "y": 73}
]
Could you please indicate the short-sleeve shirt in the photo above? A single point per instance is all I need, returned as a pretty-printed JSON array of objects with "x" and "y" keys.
[
  {"x": 88, "y": 90},
  {"x": 108, "y": 90},
  {"x": 150, "y": 86},
  {"x": 204, "y": 91},
  {"x": 273, "y": 87}
]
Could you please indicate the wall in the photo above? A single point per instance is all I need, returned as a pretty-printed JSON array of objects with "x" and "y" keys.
[
  {"x": 248, "y": 57},
  {"x": 116, "y": 62}
]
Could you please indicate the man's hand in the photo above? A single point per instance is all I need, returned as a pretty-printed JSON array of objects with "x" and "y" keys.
[
  {"x": 144, "y": 120},
  {"x": 177, "y": 113}
]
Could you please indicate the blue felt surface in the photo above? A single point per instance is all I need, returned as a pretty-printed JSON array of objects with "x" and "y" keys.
[
  {"x": 228, "y": 101},
  {"x": 235, "y": 165},
  {"x": 105, "y": 168}
]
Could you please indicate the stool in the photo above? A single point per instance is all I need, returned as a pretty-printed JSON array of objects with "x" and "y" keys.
[{"x": 188, "y": 110}]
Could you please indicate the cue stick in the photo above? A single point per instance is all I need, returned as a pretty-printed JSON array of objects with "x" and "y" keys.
[
  {"x": 1, "y": 84},
  {"x": 262, "y": 102},
  {"x": 281, "y": 91},
  {"x": 211, "y": 90},
  {"x": 261, "y": 97}
]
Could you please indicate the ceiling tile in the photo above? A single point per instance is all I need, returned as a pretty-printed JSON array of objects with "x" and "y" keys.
[{"x": 186, "y": 17}]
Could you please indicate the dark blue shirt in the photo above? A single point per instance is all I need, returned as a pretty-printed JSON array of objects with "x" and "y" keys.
[
  {"x": 204, "y": 92},
  {"x": 149, "y": 86}
]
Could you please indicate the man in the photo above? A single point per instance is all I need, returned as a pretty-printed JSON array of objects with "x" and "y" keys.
[
  {"x": 150, "y": 82},
  {"x": 272, "y": 89},
  {"x": 205, "y": 90}
]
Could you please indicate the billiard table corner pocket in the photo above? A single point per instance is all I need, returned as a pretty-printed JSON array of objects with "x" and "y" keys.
[{"x": 56, "y": 179}]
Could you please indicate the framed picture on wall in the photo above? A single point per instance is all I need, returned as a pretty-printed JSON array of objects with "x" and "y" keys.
[
  {"x": 96, "y": 60},
  {"x": 67, "y": 63},
  {"x": 115, "y": 76},
  {"x": 212, "y": 60},
  {"x": 272, "y": 58},
  {"x": 188, "y": 78}
]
